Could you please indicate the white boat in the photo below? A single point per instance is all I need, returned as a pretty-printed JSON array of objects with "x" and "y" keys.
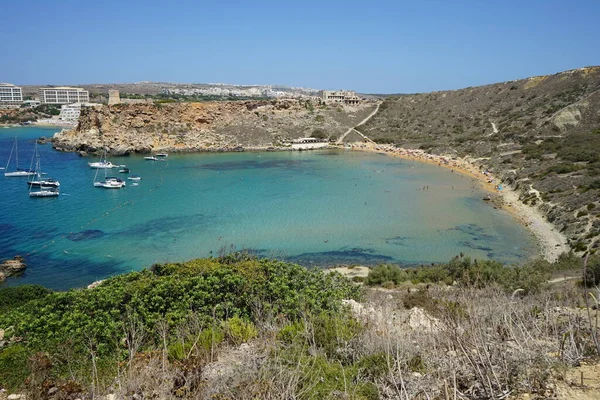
[
  {"x": 151, "y": 158},
  {"x": 18, "y": 171},
  {"x": 135, "y": 178},
  {"x": 108, "y": 182},
  {"x": 44, "y": 191},
  {"x": 37, "y": 180},
  {"x": 103, "y": 163}
]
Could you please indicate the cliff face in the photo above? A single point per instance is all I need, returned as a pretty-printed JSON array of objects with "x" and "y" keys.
[
  {"x": 540, "y": 135},
  {"x": 126, "y": 128}
]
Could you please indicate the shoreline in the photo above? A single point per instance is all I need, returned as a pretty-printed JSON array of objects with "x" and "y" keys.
[{"x": 550, "y": 241}]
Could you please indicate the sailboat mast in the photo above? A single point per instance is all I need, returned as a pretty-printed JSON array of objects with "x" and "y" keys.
[
  {"x": 16, "y": 153},
  {"x": 10, "y": 156}
]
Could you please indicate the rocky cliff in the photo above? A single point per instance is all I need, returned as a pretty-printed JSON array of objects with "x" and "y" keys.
[
  {"x": 144, "y": 128},
  {"x": 540, "y": 135}
]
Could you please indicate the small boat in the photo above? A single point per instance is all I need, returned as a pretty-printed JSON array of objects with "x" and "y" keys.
[
  {"x": 45, "y": 191},
  {"x": 487, "y": 198},
  {"x": 102, "y": 164},
  {"x": 135, "y": 178},
  {"x": 124, "y": 170},
  {"x": 151, "y": 158},
  {"x": 18, "y": 171},
  {"x": 109, "y": 182},
  {"x": 37, "y": 180},
  {"x": 47, "y": 187},
  {"x": 46, "y": 182},
  {"x": 162, "y": 155}
]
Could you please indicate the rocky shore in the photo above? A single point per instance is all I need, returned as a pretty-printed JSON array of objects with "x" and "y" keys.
[
  {"x": 11, "y": 267},
  {"x": 212, "y": 126}
]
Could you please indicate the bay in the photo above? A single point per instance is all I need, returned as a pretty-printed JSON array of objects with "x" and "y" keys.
[{"x": 316, "y": 208}]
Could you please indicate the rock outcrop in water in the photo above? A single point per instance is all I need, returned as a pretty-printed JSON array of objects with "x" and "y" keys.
[
  {"x": 11, "y": 267},
  {"x": 169, "y": 127},
  {"x": 540, "y": 135}
]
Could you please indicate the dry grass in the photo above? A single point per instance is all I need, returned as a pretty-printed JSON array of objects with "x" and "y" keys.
[{"x": 469, "y": 344}]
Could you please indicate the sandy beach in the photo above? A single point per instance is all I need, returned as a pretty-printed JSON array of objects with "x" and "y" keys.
[{"x": 552, "y": 243}]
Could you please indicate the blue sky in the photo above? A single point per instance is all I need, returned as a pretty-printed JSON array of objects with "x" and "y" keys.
[{"x": 370, "y": 46}]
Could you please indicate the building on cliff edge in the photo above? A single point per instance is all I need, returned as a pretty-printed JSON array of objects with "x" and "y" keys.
[{"x": 71, "y": 112}]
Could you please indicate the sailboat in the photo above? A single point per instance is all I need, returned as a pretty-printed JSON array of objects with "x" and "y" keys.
[
  {"x": 44, "y": 191},
  {"x": 18, "y": 171},
  {"x": 37, "y": 180},
  {"x": 109, "y": 182},
  {"x": 103, "y": 163}
]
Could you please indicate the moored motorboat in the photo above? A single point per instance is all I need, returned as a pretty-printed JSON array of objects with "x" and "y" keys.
[
  {"x": 135, "y": 178},
  {"x": 162, "y": 155},
  {"x": 124, "y": 170},
  {"x": 151, "y": 158}
]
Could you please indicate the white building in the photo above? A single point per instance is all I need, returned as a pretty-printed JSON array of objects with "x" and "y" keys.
[
  {"x": 10, "y": 95},
  {"x": 341, "y": 96},
  {"x": 63, "y": 95},
  {"x": 71, "y": 112}
]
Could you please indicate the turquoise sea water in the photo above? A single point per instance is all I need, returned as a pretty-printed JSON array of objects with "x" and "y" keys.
[{"x": 314, "y": 208}]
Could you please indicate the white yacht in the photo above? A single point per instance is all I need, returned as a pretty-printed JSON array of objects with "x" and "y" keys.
[
  {"x": 18, "y": 171},
  {"x": 103, "y": 163}
]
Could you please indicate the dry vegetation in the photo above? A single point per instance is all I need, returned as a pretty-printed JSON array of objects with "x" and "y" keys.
[{"x": 462, "y": 341}]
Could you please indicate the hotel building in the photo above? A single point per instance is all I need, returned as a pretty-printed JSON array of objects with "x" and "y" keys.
[
  {"x": 10, "y": 95},
  {"x": 63, "y": 95}
]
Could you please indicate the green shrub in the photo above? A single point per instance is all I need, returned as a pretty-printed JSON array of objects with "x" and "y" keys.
[
  {"x": 14, "y": 367},
  {"x": 292, "y": 332},
  {"x": 239, "y": 331},
  {"x": 16, "y": 296},
  {"x": 207, "y": 290},
  {"x": 592, "y": 272},
  {"x": 332, "y": 331},
  {"x": 385, "y": 273},
  {"x": 375, "y": 365}
]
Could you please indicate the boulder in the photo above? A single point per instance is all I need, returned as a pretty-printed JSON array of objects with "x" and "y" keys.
[{"x": 12, "y": 267}]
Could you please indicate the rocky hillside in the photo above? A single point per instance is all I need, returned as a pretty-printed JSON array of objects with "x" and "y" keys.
[
  {"x": 540, "y": 135},
  {"x": 143, "y": 128}
]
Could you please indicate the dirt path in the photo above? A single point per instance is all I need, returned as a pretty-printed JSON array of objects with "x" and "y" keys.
[{"x": 341, "y": 139}]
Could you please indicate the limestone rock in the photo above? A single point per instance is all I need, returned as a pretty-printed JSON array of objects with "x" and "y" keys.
[{"x": 11, "y": 267}]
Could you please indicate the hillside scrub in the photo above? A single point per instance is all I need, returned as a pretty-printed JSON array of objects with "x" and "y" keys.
[
  {"x": 228, "y": 296},
  {"x": 237, "y": 327},
  {"x": 480, "y": 273}
]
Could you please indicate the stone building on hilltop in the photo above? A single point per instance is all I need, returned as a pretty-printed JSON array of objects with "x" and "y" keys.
[{"x": 341, "y": 96}]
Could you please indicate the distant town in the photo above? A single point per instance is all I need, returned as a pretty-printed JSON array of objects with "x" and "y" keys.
[{"x": 71, "y": 99}]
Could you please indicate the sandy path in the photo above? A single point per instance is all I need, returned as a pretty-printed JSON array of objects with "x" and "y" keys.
[{"x": 364, "y": 121}]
